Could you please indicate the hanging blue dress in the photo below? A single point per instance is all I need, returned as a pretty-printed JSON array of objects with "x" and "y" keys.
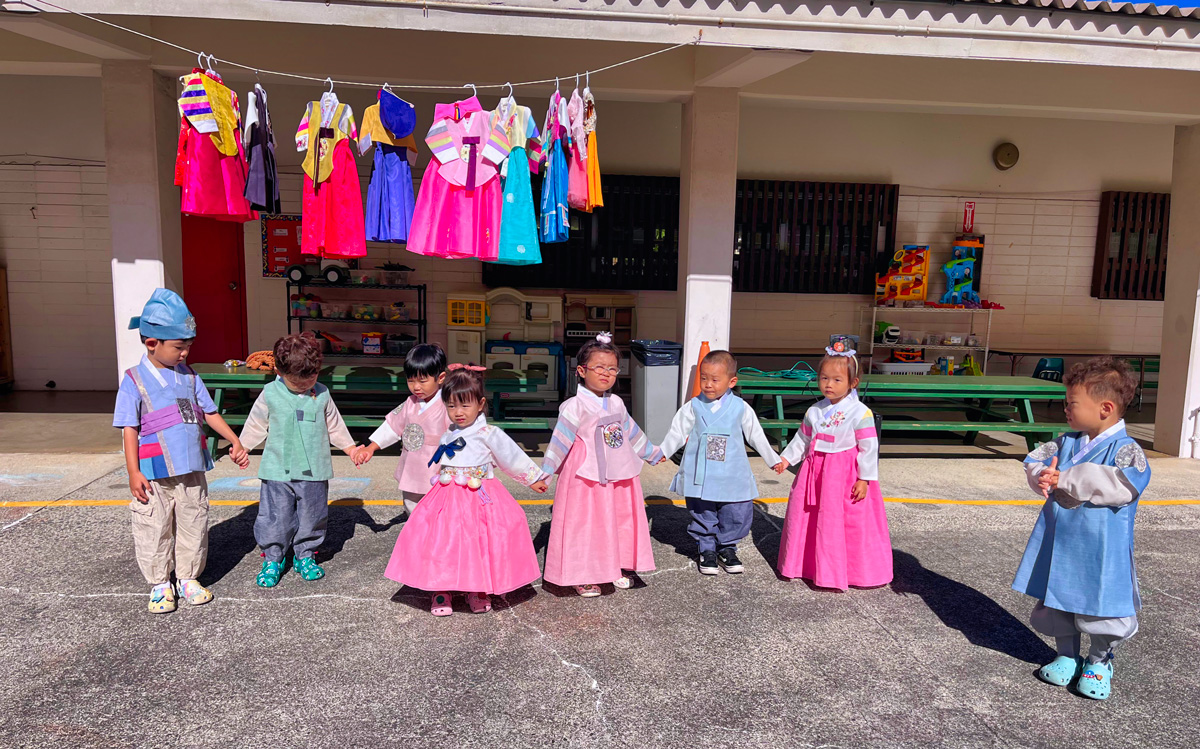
[
  {"x": 518, "y": 217},
  {"x": 555, "y": 223},
  {"x": 390, "y": 198}
]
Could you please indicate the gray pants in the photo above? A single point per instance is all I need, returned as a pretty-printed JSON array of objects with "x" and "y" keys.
[
  {"x": 291, "y": 514},
  {"x": 410, "y": 500},
  {"x": 1068, "y": 629},
  {"x": 717, "y": 525}
]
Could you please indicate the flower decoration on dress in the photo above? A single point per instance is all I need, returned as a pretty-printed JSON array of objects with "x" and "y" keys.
[
  {"x": 1131, "y": 455},
  {"x": 604, "y": 336}
]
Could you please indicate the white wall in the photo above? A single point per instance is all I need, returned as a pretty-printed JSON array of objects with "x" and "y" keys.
[{"x": 54, "y": 232}]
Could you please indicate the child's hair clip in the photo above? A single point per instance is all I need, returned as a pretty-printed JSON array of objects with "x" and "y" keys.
[
  {"x": 604, "y": 337},
  {"x": 473, "y": 368},
  {"x": 840, "y": 345},
  {"x": 454, "y": 366}
]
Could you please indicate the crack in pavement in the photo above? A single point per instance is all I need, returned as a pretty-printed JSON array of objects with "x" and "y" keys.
[{"x": 593, "y": 683}]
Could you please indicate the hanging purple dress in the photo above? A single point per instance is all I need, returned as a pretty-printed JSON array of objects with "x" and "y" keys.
[{"x": 388, "y": 126}]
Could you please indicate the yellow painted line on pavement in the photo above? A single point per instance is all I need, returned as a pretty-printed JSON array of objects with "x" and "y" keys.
[{"x": 654, "y": 501}]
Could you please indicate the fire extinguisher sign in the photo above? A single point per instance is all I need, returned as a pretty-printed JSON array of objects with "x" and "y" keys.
[{"x": 969, "y": 217}]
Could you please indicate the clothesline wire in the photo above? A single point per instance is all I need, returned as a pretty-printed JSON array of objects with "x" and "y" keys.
[{"x": 316, "y": 79}]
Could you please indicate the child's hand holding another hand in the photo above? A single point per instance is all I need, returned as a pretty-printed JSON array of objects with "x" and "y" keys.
[
  {"x": 1048, "y": 478},
  {"x": 239, "y": 455},
  {"x": 781, "y": 466},
  {"x": 539, "y": 486}
]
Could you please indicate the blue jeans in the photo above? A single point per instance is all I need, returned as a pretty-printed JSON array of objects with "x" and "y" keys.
[{"x": 718, "y": 525}]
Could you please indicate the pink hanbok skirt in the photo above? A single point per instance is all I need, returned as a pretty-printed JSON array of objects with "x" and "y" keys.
[
  {"x": 829, "y": 539},
  {"x": 596, "y": 530},
  {"x": 459, "y": 539},
  {"x": 448, "y": 221},
  {"x": 333, "y": 223},
  {"x": 212, "y": 185}
]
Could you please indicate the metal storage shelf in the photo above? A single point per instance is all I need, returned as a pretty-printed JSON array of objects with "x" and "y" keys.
[
  {"x": 420, "y": 322},
  {"x": 898, "y": 311}
]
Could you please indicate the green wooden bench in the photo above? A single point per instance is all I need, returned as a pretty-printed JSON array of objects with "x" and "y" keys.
[{"x": 1144, "y": 366}]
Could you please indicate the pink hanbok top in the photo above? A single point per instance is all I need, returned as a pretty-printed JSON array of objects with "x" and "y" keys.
[
  {"x": 418, "y": 430},
  {"x": 613, "y": 445}
]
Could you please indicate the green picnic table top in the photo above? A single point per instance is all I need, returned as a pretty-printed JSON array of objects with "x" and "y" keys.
[
  {"x": 358, "y": 378},
  {"x": 920, "y": 386}
]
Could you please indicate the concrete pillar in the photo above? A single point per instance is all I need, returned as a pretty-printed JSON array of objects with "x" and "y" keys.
[
  {"x": 707, "y": 191},
  {"x": 1179, "y": 378},
  {"x": 141, "y": 128}
]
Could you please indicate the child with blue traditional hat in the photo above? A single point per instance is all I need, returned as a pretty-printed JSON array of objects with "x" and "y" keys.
[
  {"x": 715, "y": 475},
  {"x": 298, "y": 420},
  {"x": 161, "y": 407},
  {"x": 1079, "y": 559}
]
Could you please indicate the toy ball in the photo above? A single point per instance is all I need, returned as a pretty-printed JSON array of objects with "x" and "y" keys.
[
  {"x": 460, "y": 479},
  {"x": 445, "y": 479},
  {"x": 474, "y": 483}
]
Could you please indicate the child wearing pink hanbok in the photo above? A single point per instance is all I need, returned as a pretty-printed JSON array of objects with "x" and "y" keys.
[
  {"x": 468, "y": 533},
  {"x": 836, "y": 532},
  {"x": 598, "y": 529}
]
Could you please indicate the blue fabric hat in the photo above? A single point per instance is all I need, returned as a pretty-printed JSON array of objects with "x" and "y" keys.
[
  {"x": 165, "y": 317},
  {"x": 397, "y": 115}
]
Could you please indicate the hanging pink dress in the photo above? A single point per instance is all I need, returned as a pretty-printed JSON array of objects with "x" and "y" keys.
[
  {"x": 598, "y": 527},
  {"x": 470, "y": 539},
  {"x": 210, "y": 163},
  {"x": 458, "y": 207},
  {"x": 577, "y": 167},
  {"x": 333, "y": 220},
  {"x": 827, "y": 538}
]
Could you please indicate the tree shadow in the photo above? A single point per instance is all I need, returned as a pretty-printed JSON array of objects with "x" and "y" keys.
[{"x": 982, "y": 621}]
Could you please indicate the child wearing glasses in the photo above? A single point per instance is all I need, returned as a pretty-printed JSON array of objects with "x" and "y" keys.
[{"x": 598, "y": 530}]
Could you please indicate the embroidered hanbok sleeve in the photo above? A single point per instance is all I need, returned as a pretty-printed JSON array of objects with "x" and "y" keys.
[
  {"x": 533, "y": 143},
  {"x": 639, "y": 441},
  {"x": 561, "y": 440},
  {"x": 497, "y": 147},
  {"x": 754, "y": 434},
  {"x": 1107, "y": 485},
  {"x": 868, "y": 447},
  {"x": 681, "y": 427},
  {"x": 254, "y": 431},
  {"x": 509, "y": 456},
  {"x": 348, "y": 125},
  {"x": 302, "y": 131},
  {"x": 798, "y": 447},
  {"x": 389, "y": 431},
  {"x": 339, "y": 435},
  {"x": 1036, "y": 462}
]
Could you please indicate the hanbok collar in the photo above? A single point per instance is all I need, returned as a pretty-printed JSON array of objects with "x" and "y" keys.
[
  {"x": 155, "y": 373},
  {"x": 1087, "y": 445},
  {"x": 329, "y": 104},
  {"x": 454, "y": 432},
  {"x": 844, "y": 404},
  {"x": 312, "y": 391},
  {"x": 397, "y": 115},
  {"x": 600, "y": 401},
  {"x": 507, "y": 107},
  {"x": 458, "y": 110}
]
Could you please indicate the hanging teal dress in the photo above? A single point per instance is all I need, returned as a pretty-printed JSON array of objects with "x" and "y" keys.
[
  {"x": 554, "y": 225},
  {"x": 518, "y": 216}
]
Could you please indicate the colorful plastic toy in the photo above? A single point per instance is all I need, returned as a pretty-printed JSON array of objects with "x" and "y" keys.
[
  {"x": 960, "y": 274},
  {"x": 905, "y": 277}
]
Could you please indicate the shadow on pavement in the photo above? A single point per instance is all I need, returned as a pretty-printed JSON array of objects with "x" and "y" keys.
[
  {"x": 668, "y": 525},
  {"x": 344, "y": 520},
  {"x": 981, "y": 620},
  {"x": 229, "y": 542}
]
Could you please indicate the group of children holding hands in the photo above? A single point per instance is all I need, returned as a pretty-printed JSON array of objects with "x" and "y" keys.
[{"x": 466, "y": 534}]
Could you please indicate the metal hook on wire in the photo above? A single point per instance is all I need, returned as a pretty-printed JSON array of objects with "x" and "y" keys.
[
  {"x": 587, "y": 80},
  {"x": 200, "y": 59},
  {"x": 212, "y": 61},
  {"x": 577, "y": 81},
  {"x": 474, "y": 92},
  {"x": 330, "y": 82},
  {"x": 510, "y": 89}
]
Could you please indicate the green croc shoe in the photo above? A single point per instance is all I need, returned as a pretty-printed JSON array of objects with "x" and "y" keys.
[
  {"x": 269, "y": 577},
  {"x": 309, "y": 569},
  {"x": 1061, "y": 671},
  {"x": 1096, "y": 681}
]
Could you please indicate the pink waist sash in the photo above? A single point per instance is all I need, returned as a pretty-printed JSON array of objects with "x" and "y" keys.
[{"x": 168, "y": 416}]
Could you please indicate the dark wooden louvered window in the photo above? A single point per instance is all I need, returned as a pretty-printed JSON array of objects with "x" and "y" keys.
[
  {"x": 632, "y": 243},
  {"x": 1131, "y": 245},
  {"x": 812, "y": 237}
]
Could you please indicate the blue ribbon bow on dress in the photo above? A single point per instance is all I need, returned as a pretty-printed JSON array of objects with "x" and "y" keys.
[{"x": 447, "y": 449}]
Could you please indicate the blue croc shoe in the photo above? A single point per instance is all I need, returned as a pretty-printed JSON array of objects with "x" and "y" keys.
[
  {"x": 269, "y": 577},
  {"x": 309, "y": 569},
  {"x": 1061, "y": 671},
  {"x": 1096, "y": 681}
]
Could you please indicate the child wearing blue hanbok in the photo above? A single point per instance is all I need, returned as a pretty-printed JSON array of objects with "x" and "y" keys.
[{"x": 1079, "y": 559}]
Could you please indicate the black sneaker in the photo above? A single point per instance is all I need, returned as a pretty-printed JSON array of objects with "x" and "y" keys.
[
  {"x": 729, "y": 561},
  {"x": 708, "y": 563}
]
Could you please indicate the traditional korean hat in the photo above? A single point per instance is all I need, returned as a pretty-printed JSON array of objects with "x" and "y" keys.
[
  {"x": 165, "y": 317},
  {"x": 397, "y": 115}
]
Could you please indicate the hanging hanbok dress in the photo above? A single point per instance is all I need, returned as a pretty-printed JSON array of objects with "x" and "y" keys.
[
  {"x": 595, "y": 198},
  {"x": 332, "y": 224},
  {"x": 458, "y": 207},
  {"x": 518, "y": 217},
  {"x": 258, "y": 139},
  {"x": 555, "y": 224},
  {"x": 577, "y": 177},
  {"x": 210, "y": 165},
  {"x": 827, "y": 537},
  {"x": 388, "y": 126}
]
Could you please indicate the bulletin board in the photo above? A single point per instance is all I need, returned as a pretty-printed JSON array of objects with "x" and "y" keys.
[{"x": 280, "y": 243}]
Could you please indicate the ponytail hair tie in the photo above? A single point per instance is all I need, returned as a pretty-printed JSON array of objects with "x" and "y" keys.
[
  {"x": 604, "y": 337},
  {"x": 466, "y": 367}
]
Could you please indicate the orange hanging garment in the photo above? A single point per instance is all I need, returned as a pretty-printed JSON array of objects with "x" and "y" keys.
[{"x": 595, "y": 199}]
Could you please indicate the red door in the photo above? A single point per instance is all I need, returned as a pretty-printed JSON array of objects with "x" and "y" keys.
[{"x": 214, "y": 287}]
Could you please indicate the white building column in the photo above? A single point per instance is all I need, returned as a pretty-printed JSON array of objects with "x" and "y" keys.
[
  {"x": 141, "y": 130},
  {"x": 1179, "y": 376},
  {"x": 707, "y": 191}
]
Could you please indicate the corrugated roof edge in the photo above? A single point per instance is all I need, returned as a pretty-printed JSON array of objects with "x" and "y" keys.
[{"x": 1100, "y": 6}]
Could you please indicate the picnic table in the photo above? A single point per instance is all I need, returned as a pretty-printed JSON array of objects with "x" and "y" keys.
[
  {"x": 234, "y": 390},
  {"x": 978, "y": 398},
  {"x": 1142, "y": 362}
]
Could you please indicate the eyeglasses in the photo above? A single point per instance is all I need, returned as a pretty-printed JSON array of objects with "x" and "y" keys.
[{"x": 611, "y": 371}]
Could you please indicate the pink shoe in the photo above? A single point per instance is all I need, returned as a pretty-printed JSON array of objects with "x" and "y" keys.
[
  {"x": 441, "y": 605},
  {"x": 587, "y": 591},
  {"x": 480, "y": 603}
]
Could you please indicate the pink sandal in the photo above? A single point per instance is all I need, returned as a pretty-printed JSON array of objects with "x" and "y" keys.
[
  {"x": 441, "y": 605},
  {"x": 587, "y": 591},
  {"x": 480, "y": 603}
]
